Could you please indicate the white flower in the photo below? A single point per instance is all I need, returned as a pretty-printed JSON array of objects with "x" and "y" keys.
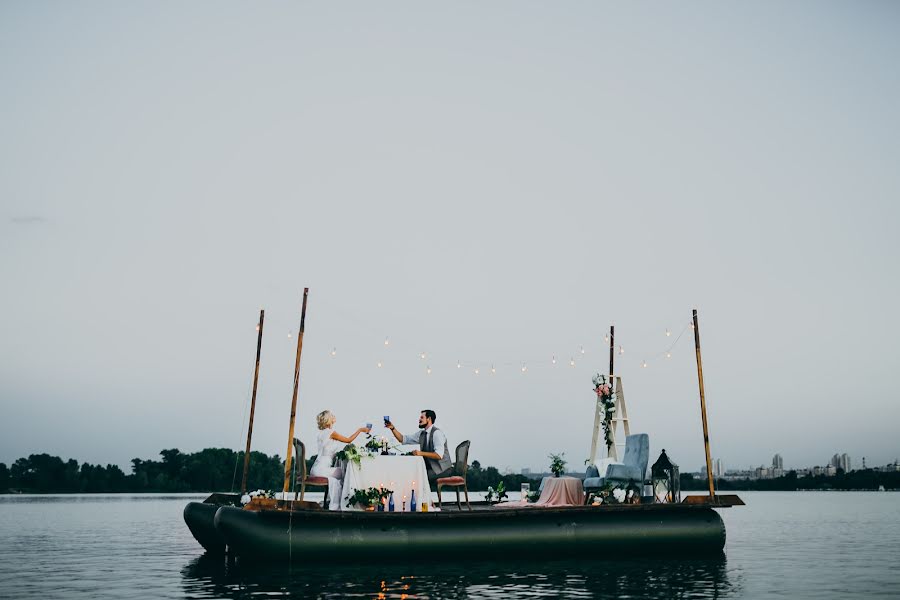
[
  {"x": 245, "y": 498},
  {"x": 618, "y": 494}
]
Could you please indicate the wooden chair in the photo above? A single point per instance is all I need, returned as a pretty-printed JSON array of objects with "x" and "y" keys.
[
  {"x": 459, "y": 477},
  {"x": 301, "y": 478}
]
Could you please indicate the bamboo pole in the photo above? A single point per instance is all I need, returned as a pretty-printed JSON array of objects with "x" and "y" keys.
[
  {"x": 597, "y": 411},
  {"x": 709, "y": 475},
  {"x": 290, "y": 444},
  {"x": 262, "y": 317}
]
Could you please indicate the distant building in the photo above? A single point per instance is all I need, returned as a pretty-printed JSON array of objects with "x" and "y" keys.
[
  {"x": 718, "y": 469},
  {"x": 845, "y": 462},
  {"x": 830, "y": 471},
  {"x": 526, "y": 472},
  {"x": 778, "y": 462}
]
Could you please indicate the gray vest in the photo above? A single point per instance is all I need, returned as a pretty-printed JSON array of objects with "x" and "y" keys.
[{"x": 426, "y": 444}]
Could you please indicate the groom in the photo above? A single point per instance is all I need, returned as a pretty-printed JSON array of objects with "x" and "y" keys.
[{"x": 437, "y": 463}]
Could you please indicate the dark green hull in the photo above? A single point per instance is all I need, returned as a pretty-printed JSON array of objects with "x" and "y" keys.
[
  {"x": 199, "y": 517},
  {"x": 311, "y": 535}
]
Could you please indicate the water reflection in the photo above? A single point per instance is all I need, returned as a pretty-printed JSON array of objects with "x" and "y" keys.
[{"x": 658, "y": 578}]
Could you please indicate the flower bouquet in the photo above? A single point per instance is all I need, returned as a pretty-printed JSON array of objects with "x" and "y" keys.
[{"x": 607, "y": 400}]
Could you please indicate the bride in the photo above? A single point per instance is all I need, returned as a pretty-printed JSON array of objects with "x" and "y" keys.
[{"x": 330, "y": 442}]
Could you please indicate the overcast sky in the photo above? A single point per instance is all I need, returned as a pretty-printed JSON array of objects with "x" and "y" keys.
[{"x": 493, "y": 184}]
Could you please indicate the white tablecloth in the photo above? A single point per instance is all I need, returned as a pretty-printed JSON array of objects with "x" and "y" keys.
[{"x": 399, "y": 473}]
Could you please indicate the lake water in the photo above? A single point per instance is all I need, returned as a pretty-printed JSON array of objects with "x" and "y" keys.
[{"x": 791, "y": 545}]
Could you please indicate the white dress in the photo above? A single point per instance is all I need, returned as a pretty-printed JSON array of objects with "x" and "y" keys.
[{"x": 327, "y": 448}]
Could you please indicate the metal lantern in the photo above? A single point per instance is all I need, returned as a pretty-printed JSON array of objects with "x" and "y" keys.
[{"x": 666, "y": 484}]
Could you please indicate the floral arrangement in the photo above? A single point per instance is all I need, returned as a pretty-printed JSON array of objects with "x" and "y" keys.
[
  {"x": 500, "y": 493},
  {"x": 350, "y": 453},
  {"x": 557, "y": 464},
  {"x": 373, "y": 444},
  {"x": 368, "y": 497},
  {"x": 606, "y": 399},
  {"x": 616, "y": 494},
  {"x": 246, "y": 498}
]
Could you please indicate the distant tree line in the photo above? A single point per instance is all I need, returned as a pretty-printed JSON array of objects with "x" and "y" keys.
[
  {"x": 865, "y": 479},
  {"x": 209, "y": 470}
]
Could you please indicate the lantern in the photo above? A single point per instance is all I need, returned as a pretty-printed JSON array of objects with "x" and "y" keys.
[{"x": 666, "y": 484}]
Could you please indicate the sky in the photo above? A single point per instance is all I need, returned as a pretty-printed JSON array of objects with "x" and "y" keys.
[{"x": 488, "y": 184}]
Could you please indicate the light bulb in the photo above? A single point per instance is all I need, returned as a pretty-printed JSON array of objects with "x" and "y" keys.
[
  {"x": 668, "y": 333},
  {"x": 493, "y": 370},
  {"x": 621, "y": 350},
  {"x": 387, "y": 342},
  {"x": 644, "y": 364},
  {"x": 428, "y": 370},
  {"x": 333, "y": 351},
  {"x": 668, "y": 355},
  {"x": 422, "y": 356},
  {"x": 606, "y": 338},
  {"x": 458, "y": 365},
  {"x": 379, "y": 364},
  {"x": 257, "y": 327},
  {"x": 582, "y": 349},
  {"x": 290, "y": 335},
  {"x": 553, "y": 360},
  {"x": 572, "y": 362},
  {"x": 476, "y": 371},
  {"x": 524, "y": 368}
]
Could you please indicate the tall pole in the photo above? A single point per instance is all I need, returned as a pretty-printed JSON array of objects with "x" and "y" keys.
[
  {"x": 612, "y": 353},
  {"x": 262, "y": 317},
  {"x": 290, "y": 445},
  {"x": 597, "y": 411},
  {"x": 709, "y": 474}
]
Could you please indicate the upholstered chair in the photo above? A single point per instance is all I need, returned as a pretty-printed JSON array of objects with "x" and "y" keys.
[
  {"x": 633, "y": 467},
  {"x": 300, "y": 469},
  {"x": 458, "y": 479}
]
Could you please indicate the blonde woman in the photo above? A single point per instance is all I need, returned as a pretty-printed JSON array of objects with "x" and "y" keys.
[{"x": 328, "y": 443}]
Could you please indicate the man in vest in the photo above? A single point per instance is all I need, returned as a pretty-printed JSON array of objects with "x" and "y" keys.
[{"x": 432, "y": 445}]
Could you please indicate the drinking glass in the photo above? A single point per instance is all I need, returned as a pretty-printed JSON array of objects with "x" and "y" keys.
[
  {"x": 368, "y": 426},
  {"x": 526, "y": 487}
]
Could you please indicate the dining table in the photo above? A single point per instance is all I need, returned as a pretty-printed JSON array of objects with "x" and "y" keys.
[
  {"x": 402, "y": 474},
  {"x": 561, "y": 491}
]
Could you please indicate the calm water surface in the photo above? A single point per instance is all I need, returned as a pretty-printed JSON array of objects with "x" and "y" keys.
[{"x": 796, "y": 545}]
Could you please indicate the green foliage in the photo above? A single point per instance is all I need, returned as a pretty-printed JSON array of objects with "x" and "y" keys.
[
  {"x": 211, "y": 469},
  {"x": 499, "y": 493},
  {"x": 557, "y": 464},
  {"x": 368, "y": 497},
  {"x": 4, "y": 478}
]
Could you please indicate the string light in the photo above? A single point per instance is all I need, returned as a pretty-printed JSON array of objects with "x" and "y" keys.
[
  {"x": 257, "y": 327},
  {"x": 668, "y": 355},
  {"x": 524, "y": 368},
  {"x": 379, "y": 364},
  {"x": 582, "y": 349},
  {"x": 290, "y": 335},
  {"x": 422, "y": 356},
  {"x": 458, "y": 365},
  {"x": 606, "y": 338},
  {"x": 668, "y": 333},
  {"x": 334, "y": 351},
  {"x": 553, "y": 360},
  {"x": 428, "y": 370},
  {"x": 476, "y": 371},
  {"x": 621, "y": 350},
  {"x": 644, "y": 364},
  {"x": 493, "y": 370},
  {"x": 387, "y": 342},
  {"x": 572, "y": 362}
]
